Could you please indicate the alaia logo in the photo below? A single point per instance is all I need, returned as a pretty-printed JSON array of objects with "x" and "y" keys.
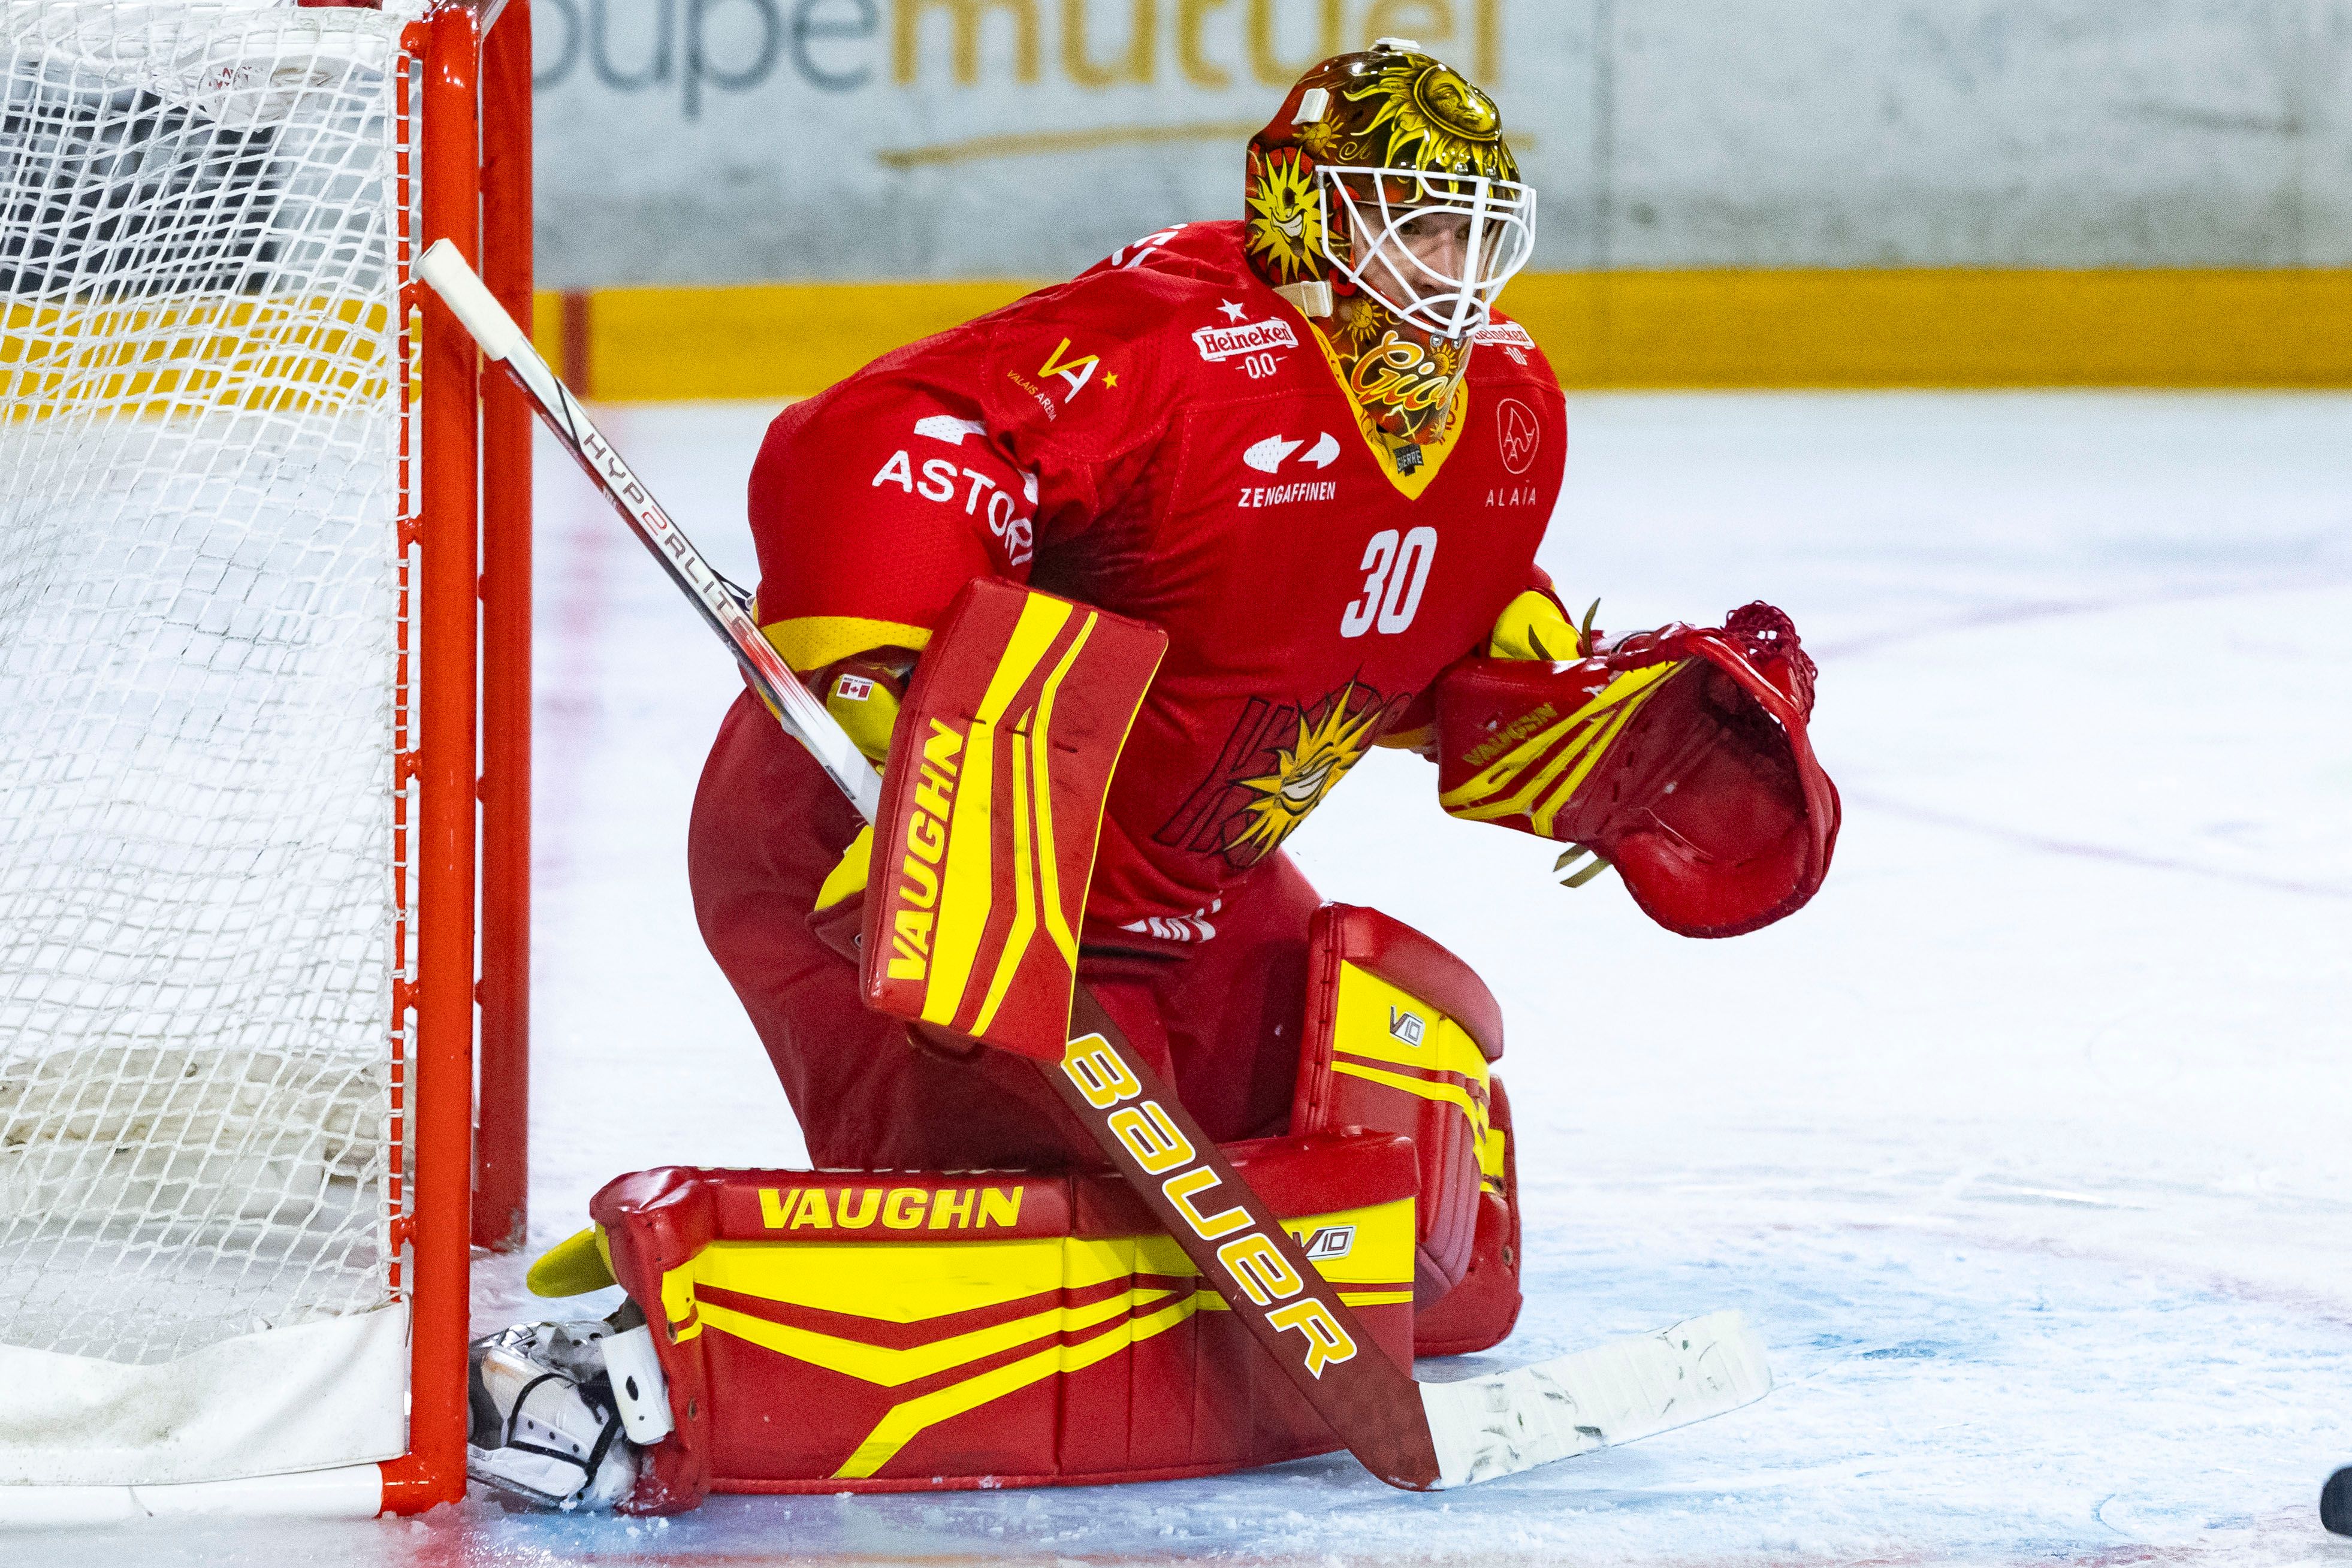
[{"x": 1517, "y": 426}]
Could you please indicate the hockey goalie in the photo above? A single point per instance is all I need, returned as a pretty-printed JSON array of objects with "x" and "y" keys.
[{"x": 1116, "y": 585}]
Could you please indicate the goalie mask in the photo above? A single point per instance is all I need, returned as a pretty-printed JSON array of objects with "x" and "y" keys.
[{"x": 1383, "y": 193}]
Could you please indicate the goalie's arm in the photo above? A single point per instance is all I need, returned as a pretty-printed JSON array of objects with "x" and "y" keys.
[{"x": 1534, "y": 626}]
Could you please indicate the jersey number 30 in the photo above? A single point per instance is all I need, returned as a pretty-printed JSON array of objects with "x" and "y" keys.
[{"x": 1399, "y": 571}]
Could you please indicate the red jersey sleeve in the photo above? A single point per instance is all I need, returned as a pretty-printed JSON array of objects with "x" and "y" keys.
[{"x": 960, "y": 456}]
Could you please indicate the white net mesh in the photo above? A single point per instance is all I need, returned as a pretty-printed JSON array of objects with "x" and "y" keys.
[{"x": 199, "y": 597}]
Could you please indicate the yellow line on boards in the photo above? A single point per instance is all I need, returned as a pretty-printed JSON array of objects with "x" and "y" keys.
[
  {"x": 1028, "y": 143},
  {"x": 1941, "y": 328},
  {"x": 1790, "y": 328},
  {"x": 768, "y": 340},
  {"x": 1034, "y": 143}
]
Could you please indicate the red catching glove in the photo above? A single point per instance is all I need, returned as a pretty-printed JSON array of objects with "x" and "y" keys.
[{"x": 1678, "y": 756}]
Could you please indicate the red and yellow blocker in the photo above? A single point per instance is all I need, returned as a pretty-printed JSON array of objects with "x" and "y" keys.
[{"x": 991, "y": 807}]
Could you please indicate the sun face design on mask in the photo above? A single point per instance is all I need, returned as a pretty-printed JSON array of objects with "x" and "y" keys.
[
  {"x": 1286, "y": 223},
  {"x": 1385, "y": 172},
  {"x": 1360, "y": 329},
  {"x": 1434, "y": 119},
  {"x": 1326, "y": 748}
]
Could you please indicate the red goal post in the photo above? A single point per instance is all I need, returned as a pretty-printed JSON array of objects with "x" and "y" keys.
[
  {"x": 472, "y": 472},
  {"x": 255, "y": 497}
]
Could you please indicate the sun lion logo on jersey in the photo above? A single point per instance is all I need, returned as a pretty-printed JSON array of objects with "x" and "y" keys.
[
  {"x": 1275, "y": 769},
  {"x": 1303, "y": 774}
]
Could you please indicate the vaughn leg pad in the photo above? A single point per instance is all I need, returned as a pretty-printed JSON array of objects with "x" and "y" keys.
[
  {"x": 1401, "y": 1036},
  {"x": 893, "y": 1331}
]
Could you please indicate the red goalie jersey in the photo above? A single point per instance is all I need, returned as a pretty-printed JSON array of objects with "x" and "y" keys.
[{"x": 1166, "y": 437}]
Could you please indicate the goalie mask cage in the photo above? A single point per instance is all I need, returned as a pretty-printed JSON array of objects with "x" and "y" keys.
[{"x": 264, "y": 731}]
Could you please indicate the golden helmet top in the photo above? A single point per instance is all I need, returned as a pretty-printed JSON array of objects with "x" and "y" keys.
[{"x": 1390, "y": 107}]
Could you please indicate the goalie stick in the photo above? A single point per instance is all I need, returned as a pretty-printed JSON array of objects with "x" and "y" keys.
[{"x": 1417, "y": 1436}]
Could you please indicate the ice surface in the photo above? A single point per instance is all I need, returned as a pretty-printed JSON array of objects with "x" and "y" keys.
[{"x": 2023, "y": 1146}]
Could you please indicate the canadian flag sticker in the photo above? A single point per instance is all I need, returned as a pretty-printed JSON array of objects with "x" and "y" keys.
[{"x": 1520, "y": 434}]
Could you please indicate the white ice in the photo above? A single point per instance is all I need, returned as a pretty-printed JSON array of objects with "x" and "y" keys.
[{"x": 2024, "y": 1147}]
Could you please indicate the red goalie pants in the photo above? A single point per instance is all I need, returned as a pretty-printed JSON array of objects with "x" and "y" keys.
[{"x": 1221, "y": 1020}]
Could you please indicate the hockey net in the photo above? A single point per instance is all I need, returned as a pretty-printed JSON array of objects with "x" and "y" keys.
[{"x": 207, "y": 691}]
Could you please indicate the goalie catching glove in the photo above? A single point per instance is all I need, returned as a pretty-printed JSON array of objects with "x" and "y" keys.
[{"x": 1678, "y": 756}]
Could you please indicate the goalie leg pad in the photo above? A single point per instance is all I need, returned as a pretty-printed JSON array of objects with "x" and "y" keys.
[
  {"x": 891, "y": 1331},
  {"x": 1400, "y": 1036},
  {"x": 1477, "y": 1314}
]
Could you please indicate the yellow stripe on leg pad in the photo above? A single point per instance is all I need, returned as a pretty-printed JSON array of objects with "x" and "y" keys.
[
  {"x": 1369, "y": 1249},
  {"x": 1382, "y": 1022}
]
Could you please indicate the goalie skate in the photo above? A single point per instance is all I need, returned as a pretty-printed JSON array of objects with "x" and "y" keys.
[{"x": 545, "y": 1428}]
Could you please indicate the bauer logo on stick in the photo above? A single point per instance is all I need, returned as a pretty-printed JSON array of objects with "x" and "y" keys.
[{"x": 1256, "y": 1273}]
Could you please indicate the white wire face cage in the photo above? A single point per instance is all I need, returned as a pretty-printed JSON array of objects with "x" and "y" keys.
[{"x": 1499, "y": 237}]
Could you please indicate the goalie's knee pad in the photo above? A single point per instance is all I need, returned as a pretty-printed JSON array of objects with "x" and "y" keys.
[
  {"x": 1400, "y": 1038},
  {"x": 543, "y": 1427},
  {"x": 827, "y": 1331}
]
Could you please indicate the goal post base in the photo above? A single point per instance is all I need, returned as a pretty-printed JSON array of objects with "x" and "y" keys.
[{"x": 349, "y": 1491}]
